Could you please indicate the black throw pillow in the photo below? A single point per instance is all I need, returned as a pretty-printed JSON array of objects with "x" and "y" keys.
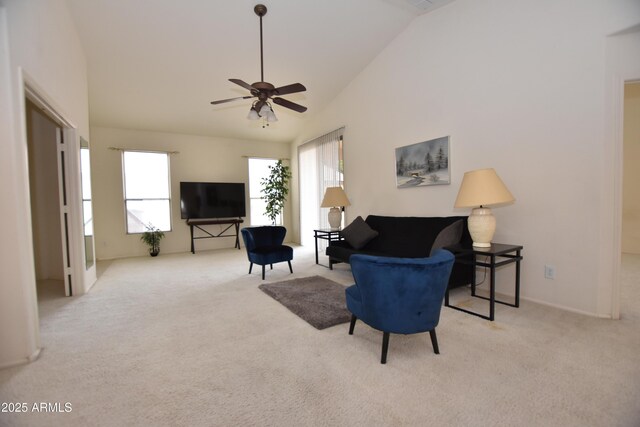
[
  {"x": 450, "y": 235},
  {"x": 358, "y": 233}
]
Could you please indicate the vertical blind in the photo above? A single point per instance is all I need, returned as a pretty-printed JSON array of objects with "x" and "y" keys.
[{"x": 320, "y": 166}]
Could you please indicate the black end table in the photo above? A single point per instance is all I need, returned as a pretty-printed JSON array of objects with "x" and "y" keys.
[
  {"x": 496, "y": 256},
  {"x": 326, "y": 234}
]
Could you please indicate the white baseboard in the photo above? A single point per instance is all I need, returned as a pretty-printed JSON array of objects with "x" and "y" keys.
[
  {"x": 565, "y": 308},
  {"x": 34, "y": 356},
  {"x": 510, "y": 297}
]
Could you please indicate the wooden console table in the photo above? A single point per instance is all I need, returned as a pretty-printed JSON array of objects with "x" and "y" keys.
[{"x": 233, "y": 222}]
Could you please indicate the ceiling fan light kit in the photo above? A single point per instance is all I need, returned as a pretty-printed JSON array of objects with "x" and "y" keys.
[
  {"x": 266, "y": 113},
  {"x": 253, "y": 114},
  {"x": 265, "y": 91}
]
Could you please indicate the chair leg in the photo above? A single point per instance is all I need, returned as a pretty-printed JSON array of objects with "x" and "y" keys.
[
  {"x": 434, "y": 341},
  {"x": 385, "y": 347},
  {"x": 263, "y": 272},
  {"x": 250, "y": 267},
  {"x": 353, "y": 324},
  {"x": 290, "y": 269}
]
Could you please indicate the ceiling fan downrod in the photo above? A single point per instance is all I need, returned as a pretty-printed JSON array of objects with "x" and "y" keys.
[{"x": 261, "y": 10}]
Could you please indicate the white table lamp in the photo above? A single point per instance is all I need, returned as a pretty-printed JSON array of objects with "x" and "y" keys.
[
  {"x": 335, "y": 198},
  {"x": 479, "y": 189}
]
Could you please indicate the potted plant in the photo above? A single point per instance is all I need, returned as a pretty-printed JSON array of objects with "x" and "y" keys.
[
  {"x": 152, "y": 238},
  {"x": 275, "y": 188}
]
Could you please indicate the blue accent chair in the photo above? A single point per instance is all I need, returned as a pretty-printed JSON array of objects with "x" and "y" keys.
[
  {"x": 399, "y": 295},
  {"x": 264, "y": 246}
]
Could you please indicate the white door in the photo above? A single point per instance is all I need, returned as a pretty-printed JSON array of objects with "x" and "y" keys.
[{"x": 63, "y": 162}]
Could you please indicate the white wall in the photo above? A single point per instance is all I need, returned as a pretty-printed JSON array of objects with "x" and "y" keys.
[
  {"x": 37, "y": 41},
  {"x": 200, "y": 158},
  {"x": 45, "y": 203},
  {"x": 631, "y": 186},
  {"x": 520, "y": 87}
]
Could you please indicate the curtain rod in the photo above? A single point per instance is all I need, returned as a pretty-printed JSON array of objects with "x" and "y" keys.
[
  {"x": 339, "y": 130},
  {"x": 142, "y": 150},
  {"x": 268, "y": 158}
]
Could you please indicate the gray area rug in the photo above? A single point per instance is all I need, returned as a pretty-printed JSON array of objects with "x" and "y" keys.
[{"x": 315, "y": 299}]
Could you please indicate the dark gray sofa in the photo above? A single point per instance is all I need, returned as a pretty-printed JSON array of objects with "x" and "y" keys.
[{"x": 405, "y": 237}]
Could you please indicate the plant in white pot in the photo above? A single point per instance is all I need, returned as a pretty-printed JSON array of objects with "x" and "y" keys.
[
  {"x": 152, "y": 238},
  {"x": 275, "y": 188}
]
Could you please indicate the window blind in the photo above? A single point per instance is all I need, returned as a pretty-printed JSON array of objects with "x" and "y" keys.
[{"x": 320, "y": 166}]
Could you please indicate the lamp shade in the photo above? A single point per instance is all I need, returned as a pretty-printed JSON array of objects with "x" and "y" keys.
[
  {"x": 482, "y": 187},
  {"x": 264, "y": 110},
  {"x": 271, "y": 116},
  {"x": 334, "y": 197},
  {"x": 253, "y": 114}
]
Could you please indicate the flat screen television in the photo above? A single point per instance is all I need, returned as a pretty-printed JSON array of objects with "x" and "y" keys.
[{"x": 212, "y": 200}]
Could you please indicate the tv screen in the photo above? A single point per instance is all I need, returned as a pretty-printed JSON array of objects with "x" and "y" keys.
[{"x": 212, "y": 200}]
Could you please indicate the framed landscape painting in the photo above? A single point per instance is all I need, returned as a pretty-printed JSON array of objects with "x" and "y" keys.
[{"x": 424, "y": 163}]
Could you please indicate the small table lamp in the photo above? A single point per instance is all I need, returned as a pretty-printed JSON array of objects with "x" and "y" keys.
[
  {"x": 479, "y": 189},
  {"x": 334, "y": 198}
]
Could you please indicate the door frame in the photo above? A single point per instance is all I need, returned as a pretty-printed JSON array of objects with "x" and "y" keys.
[
  {"x": 620, "y": 70},
  {"x": 618, "y": 114},
  {"x": 75, "y": 268}
]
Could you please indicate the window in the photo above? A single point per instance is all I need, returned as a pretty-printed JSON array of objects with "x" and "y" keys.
[
  {"x": 146, "y": 190},
  {"x": 258, "y": 169}
]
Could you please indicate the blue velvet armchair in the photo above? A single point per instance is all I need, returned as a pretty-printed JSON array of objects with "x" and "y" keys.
[
  {"x": 399, "y": 295},
  {"x": 264, "y": 246}
]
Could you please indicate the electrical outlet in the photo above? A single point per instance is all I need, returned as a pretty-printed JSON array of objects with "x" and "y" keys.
[{"x": 549, "y": 272}]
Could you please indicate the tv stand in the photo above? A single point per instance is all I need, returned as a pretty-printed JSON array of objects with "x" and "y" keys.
[{"x": 233, "y": 222}]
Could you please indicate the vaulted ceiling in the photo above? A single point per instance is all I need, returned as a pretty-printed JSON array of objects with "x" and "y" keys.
[{"x": 157, "y": 64}]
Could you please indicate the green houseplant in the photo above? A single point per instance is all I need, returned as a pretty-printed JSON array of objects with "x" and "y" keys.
[
  {"x": 275, "y": 188},
  {"x": 152, "y": 238}
]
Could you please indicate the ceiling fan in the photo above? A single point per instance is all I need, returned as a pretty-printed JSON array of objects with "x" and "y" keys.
[{"x": 264, "y": 91}]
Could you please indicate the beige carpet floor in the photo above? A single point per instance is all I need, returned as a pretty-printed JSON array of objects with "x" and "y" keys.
[{"x": 190, "y": 340}]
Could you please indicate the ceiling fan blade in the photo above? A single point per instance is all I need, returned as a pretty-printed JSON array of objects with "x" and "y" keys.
[
  {"x": 291, "y": 105},
  {"x": 222, "y": 101},
  {"x": 293, "y": 88},
  {"x": 243, "y": 84}
]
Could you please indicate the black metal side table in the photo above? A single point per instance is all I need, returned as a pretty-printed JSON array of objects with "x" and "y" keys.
[
  {"x": 496, "y": 256},
  {"x": 325, "y": 234}
]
